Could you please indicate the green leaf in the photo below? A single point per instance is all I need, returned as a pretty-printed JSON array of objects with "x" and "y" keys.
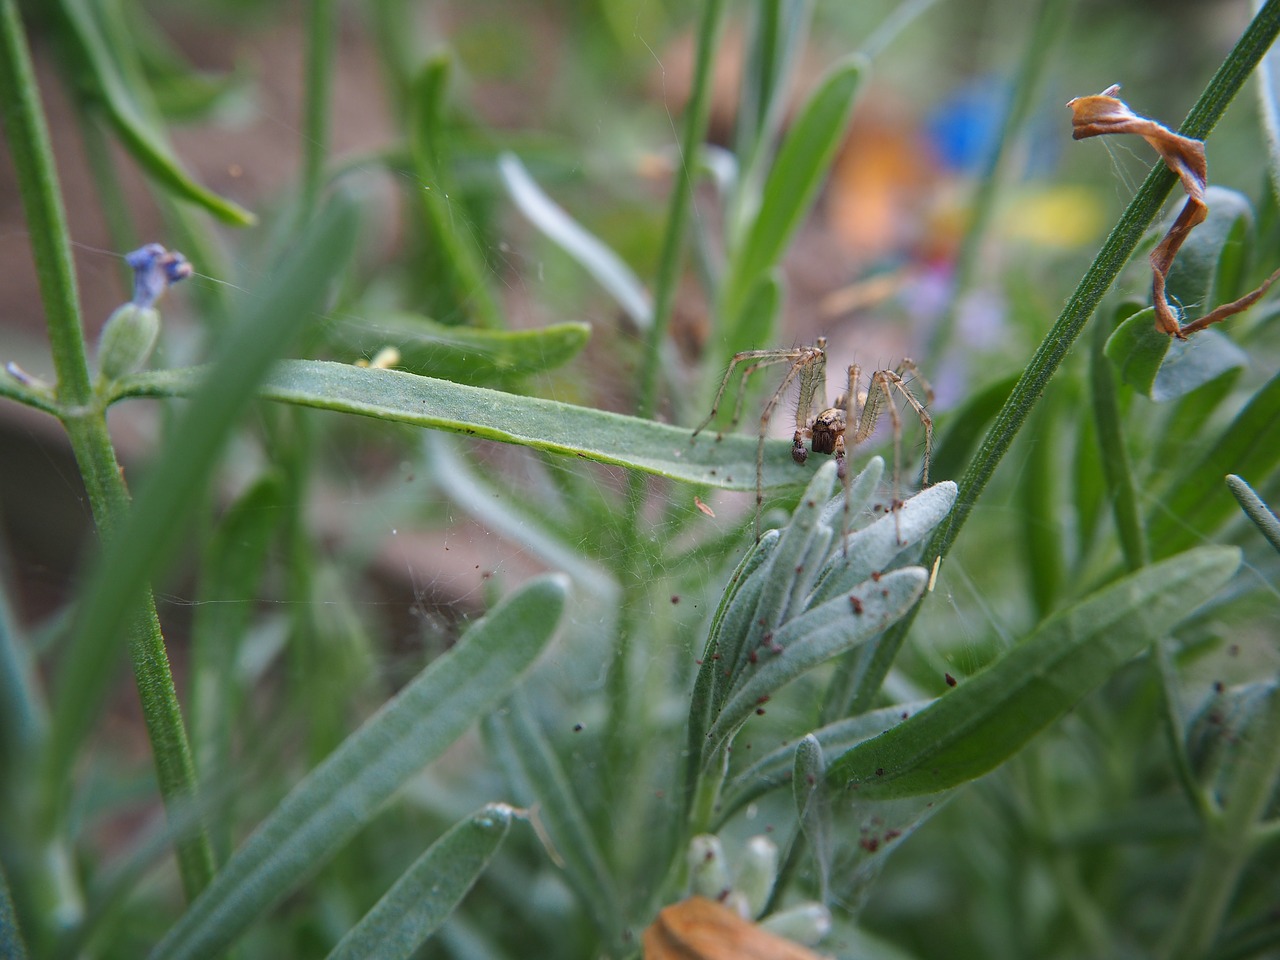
[
  {"x": 776, "y": 768},
  {"x": 97, "y": 68},
  {"x": 815, "y": 637},
  {"x": 1196, "y": 503},
  {"x": 538, "y": 775},
  {"x": 1256, "y": 509},
  {"x": 346, "y": 791},
  {"x": 233, "y": 564},
  {"x": 792, "y": 184},
  {"x": 989, "y": 717},
  {"x": 591, "y": 253},
  {"x": 464, "y": 268},
  {"x": 469, "y": 355},
  {"x": 422, "y": 899},
  {"x": 1164, "y": 368},
  {"x": 548, "y": 425}
]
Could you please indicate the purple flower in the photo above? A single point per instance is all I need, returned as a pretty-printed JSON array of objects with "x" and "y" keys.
[{"x": 154, "y": 270}]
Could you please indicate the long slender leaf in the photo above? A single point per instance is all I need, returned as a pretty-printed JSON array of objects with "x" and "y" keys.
[
  {"x": 589, "y": 434},
  {"x": 818, "y": 635},
  {"x": 533, "y": 765},
  {"x": 791, "y": 186},
  {"x": 1256, "y": 509},
  {"x": 422, "y": 899},
  {"x": 345, "y": 791},
  {"x": 592, "y": 254},
  {"x": 471, "y": 355},
  {"x": 1196, "y": 503},
  {"x": 96, "y": 66},
  {"x": 980, "y": 724}
]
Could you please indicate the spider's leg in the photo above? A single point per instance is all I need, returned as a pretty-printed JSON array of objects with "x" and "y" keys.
[
  {"x": 904, "y": 387},
  {"x": 771, "y": 356},
  {"x": 765, "y": 416},
  {"x": 813, "y": 383},
  {"x": 852, "y": 413}
]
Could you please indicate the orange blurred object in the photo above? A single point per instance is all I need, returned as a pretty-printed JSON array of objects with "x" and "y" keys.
[{"x": 701, "y": 929}]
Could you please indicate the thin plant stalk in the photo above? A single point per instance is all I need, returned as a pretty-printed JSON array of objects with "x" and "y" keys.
[
  {"x": 84, "y": 417},
  {"x": 322, "y": 25}
]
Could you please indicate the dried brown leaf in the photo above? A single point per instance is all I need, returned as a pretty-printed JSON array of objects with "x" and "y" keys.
[
  {"x": 701, "y": 929},
  {"x": 1104, "y": 114}
]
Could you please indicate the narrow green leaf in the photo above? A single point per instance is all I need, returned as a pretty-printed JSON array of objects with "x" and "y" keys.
[
  {"x": 462, "y": 261},
  {"x": 792, "y": 184},
  {"x": 812, "y": 795},
  {"x": 96, "y": 67},
  {"x": 779, "y": 580},
  {"x": 172, "y": 489},
  {"x": 873, "y": 548},
  {"x": 989, "y": 717},
  {"x": 591, "y": 253},
  {"x": 233, "y": 563},
  {"x": 471, "y": 355},
  {"x": 728, "y": 631},
  {"x": 346, "y": 791},
  {"x": 658, "y": 448},
  {"x": 1256, "y": 509},
  {"x": 815, "y": 637},
  {"x": 776, "y": 769},
  {"x": 1196, "y": 504},
  {"x": 422, "y": 899},
  {"x": 1269, "y": 107},
  {"x": 537, "y": 773}
]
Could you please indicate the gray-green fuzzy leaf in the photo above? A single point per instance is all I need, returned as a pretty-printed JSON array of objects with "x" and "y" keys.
[
  {"x": 424, "y": 896},
  {"x": 346, "y": 791}
]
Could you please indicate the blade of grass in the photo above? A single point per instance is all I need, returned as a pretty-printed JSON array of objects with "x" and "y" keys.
[{"x": 346, "y": 791}]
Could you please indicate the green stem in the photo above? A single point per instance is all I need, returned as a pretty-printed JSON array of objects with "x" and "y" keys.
[
  {"x": 1115, "y": 253},
  {"x": 322, "y": 25},
  {"x": 84, "y": 417},
  {"x": 695, "y": 125}
]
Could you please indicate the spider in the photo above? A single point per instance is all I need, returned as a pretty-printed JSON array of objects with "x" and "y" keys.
[{"x": 854, "y": 414}]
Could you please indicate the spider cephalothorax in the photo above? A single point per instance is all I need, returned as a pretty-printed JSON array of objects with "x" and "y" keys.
[{"x": 854, "y": 414}]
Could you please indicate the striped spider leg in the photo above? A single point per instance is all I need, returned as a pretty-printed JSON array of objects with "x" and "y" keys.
[{"x": 863, "y": 409}]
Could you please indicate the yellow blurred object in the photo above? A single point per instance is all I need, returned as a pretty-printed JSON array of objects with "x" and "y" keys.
[{"x": 1062, "y": 217}]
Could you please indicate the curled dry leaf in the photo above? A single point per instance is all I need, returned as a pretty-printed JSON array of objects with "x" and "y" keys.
[
  {"x": 701, "y": 929},
  {"x": 1105, "y": 114}
]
